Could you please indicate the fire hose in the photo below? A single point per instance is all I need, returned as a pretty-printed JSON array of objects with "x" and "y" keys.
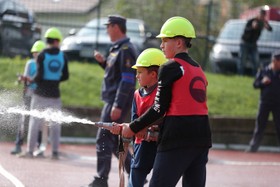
[{"x": 123, "y": 147}]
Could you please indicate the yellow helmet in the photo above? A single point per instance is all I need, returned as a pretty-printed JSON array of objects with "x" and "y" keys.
[
  {"x": 150, "y": 57},
  {"x": 177, "y": 26},
  {"x": 53, "y": 33},
  {"x": 38, "y": 46}
]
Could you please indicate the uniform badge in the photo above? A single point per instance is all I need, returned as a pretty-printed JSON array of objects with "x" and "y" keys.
[{"x": 128, "y": 63}]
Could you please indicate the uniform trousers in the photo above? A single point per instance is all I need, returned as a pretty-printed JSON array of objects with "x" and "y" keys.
[
  {"x": 261, "y": 122},
  {"x": 107, "y": 143}
]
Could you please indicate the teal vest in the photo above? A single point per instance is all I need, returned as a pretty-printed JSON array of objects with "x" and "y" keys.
[
  {"x": 32, "y": 69},
  {"x": 53, "y": 65}
]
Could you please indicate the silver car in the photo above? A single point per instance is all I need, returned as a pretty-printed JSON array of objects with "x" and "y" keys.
[
  {"x": 80, "y": 45},
  {"x": 225, "y": 52}
]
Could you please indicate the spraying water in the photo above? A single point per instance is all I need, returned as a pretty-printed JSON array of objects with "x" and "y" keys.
[
  {"x": 10, "y": 103},
  {"x": 48, "y": 115}
]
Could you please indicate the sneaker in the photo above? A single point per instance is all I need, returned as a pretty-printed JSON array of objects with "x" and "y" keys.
[
  {"x": 39, "y": 154},
  {"x": 16, "y": 150},
  {"x": 26, "y": 155},
  {"x": 98, "y": 182},
  {"x": 55, "y": 155}
]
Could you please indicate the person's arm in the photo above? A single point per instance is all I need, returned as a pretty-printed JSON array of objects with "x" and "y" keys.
[
  {"x": 40, "y": 68},
  {"x": 25, "y": 78},
  {"x": 116, "y": 129},
  {"x": 26, "y": 69},
  {"x": 249, "y": 25},
  {"x": 267, "y": 26},
  {"x": 65, "y": 72},
  {"x": 100, "y": 59},
  {"x": 127, "y": 83},
  {"x": 134, "y": 110},
  {"x": 258, "y": 82}
]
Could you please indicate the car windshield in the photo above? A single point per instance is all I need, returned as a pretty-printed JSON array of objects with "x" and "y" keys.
[
  {"x": 134, "y": 28},
  {"x": 234, "y": 30},
  {"x": 91, "y": 28}
]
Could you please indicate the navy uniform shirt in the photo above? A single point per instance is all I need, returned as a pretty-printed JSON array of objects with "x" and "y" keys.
[
  {"x": 270, "y": 93},
  {"x": 119, "y": 78}
]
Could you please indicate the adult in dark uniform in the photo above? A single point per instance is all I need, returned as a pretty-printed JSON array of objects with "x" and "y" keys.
[
  {"x": 268, "y": 80},
  {"x": 185, "y": 135},
  {"x": 117, "y": 93}
]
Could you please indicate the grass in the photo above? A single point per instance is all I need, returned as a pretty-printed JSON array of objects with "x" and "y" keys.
[
  {"x": 232, "y": 95},
  {"x": 228, "y": 95}
]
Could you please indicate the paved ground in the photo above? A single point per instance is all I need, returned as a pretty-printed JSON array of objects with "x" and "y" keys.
[{"x": 77, "y": 165}]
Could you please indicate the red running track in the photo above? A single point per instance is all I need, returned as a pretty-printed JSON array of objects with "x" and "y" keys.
[{"x": 77, "y": 165}]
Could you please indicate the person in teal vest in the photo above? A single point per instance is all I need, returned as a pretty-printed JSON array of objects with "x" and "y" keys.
[
  {"x": 52, "y": 66},
  {"x": 28, "y": 89}
]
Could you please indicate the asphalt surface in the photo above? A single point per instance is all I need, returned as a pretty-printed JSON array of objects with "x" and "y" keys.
[{"x": 77, "y": 166}]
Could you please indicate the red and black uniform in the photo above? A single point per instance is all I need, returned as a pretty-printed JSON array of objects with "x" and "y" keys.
[
  {"x": 144, "y": 151},
  {"x": 185, "y": 133}
]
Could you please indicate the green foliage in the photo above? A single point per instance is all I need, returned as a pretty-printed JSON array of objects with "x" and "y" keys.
[
  {"x": 10, "y": 68},
  {"x": 228, "y": 95},
  {"x": 231, "y": 95},
  {"x": 83, "y": 87},
  {"x": 155, "y": 13}
]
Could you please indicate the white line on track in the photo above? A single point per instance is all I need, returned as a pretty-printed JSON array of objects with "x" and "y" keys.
[
  {"x": 251, "y": 163},
  {"x": 244, "y": 163},
  {"x": 10, "y": 177}
]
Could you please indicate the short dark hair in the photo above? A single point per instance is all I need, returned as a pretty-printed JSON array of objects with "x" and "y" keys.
[
  {"x": 186, "y": 40},
  {"x": 153, "y": 68},
  {"x": 263, "y": 12},
  {"x": 51, "y": 40},
  {"x": 122, "y": 27}
]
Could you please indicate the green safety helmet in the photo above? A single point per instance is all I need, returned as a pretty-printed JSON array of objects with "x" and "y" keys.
[
  {"x": 150, "y": 57},
  {"x": 177, "y": 26},
  {"x": 53, "y": 33},
  {"x": 38, "y": 46}
]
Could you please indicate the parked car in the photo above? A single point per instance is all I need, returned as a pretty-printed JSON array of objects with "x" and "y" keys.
[
  {"x": 225, "y": 52},
  {"x": 80, "y": 45},
  {"x": 18, "y": 28}
]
